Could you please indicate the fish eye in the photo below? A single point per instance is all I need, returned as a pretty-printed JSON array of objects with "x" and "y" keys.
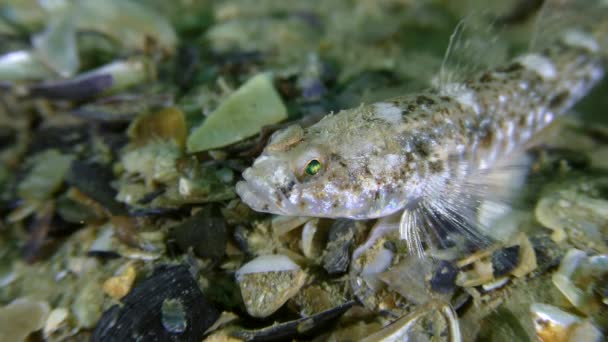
[{"x": 312, "y": 167}]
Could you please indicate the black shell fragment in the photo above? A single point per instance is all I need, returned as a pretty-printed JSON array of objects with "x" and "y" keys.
[
  {"x": 139, "y": 318},
  {"x": 63, "y": 138},
  {"x": 205, "y": 233},
  {"x": 288, "y": 330},
  {"x": 94, "y": 181},
  {"x": 444, "y": 278},
  {"x": 74, "y": 90},
  {"x": 340, "y": 240},
  {"x": 505, "y": 260}
]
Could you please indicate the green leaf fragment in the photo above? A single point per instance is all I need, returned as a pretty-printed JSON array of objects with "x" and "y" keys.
[
  {"x": 46, "y": 176},
  {"x": 254, "y": 105}
]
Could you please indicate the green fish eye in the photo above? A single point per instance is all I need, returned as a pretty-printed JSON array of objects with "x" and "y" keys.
[{"x": 313, "y": 167}]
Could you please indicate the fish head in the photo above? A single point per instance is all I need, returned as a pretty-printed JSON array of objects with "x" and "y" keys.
[{"x": 301, "y": 174}]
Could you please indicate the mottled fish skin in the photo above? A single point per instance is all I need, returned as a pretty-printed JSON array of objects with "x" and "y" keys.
[{"x": 382, "y": 158}]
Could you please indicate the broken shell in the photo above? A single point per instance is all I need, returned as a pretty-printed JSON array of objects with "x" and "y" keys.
[
  {"x": 309, "y": 243},
  {"x": 56, "y": 319},
  {"x": 578, "y": 212},
  {"x": 409, "y": 279},
  {"x": 204, "y": 232},
  {"x": 22, "y": 317},
  {"x": 140, "y": 316},
  {"x": 267, "y": 282},
  {"x": 108, "y": 78},
  {"x": 441, "y": 317},
  {"x": 283, "y": 331},
  {"x": 526, "y": 257},
  {"x": 336, "y": 256},
  {"x": 555, "y": 325},
  {"x": 504, "y": 260},
  {"x": 444, "y": 278},
  {"x": 87, "y": 307},
  {"x": 173, "y": 315},
  {"x": 118, "y": 286},
  {"x": 255, "y": 104},
  {"x": 284, "y": 224}
]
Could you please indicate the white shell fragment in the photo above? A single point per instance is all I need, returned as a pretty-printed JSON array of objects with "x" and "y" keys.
[
  {"x": 57, "y": 318},
  {"x": 308, "y": 244},
  {"x": 267, "y": 263},
  {"x": 576, "y": 276},
  {"x": 553, "y": 324},
  {"x": 267, "y": 282}
]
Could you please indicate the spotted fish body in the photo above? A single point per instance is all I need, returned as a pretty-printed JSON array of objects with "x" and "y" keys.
[{"x": 422, "y": 152}]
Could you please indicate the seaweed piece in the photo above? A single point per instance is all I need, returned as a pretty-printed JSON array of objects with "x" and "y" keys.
[
  {"x": 140, "y": 317},
  {"x": 294, "y": 328}
]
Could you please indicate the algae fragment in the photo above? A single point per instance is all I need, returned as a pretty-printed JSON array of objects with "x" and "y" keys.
[{"x": 254, "y": 105}]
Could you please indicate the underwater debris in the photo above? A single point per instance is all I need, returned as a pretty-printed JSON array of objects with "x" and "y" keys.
[
  {"x": 576, "y": 209},
  {"x": 119, "y": 285},
  {"x": 22, "y": 65},
  {"x": 204, "y": 233},
  {"x": 554, "y": 324},
  {"x": 104, "y": 80},
  {"x": 294, "y": 328},
  {"x": 142, "y": 236},
  {"x": 267, "y": 282},
  {"x": 42, "y": 181},
  {"x": 252, "y": 106},
  {"x": 430, "y": 322},
  {"x": 141, "y": 313},
  {"x": 22, "y": 317}
]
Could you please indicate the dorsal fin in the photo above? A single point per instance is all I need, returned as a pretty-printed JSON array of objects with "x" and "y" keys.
[
  {"x": 477, "y": 43},
  {"x": 555, "y": 16}
]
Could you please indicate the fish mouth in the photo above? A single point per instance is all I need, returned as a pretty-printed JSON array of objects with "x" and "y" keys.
[{"x": 257, "y": 198}]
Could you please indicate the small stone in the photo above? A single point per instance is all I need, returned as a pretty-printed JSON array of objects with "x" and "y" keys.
[{"x": 118, "y": 286}]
